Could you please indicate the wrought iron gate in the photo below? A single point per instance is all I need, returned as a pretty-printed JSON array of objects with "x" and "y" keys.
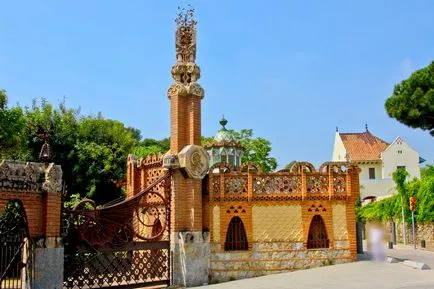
[
  {"x": 125, "y": 244},
  {"x": 15, "y": 247}
]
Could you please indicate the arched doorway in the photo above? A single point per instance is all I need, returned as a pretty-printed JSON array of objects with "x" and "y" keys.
[
  {"x": 236, "y": 238},
  {"x": 14, "y": 245},
  {"x": 317, "y": 237}
]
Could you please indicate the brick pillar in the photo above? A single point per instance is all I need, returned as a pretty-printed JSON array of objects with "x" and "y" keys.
[
  {"x": 331, "y": 189},
  {"x": 351, "y": 211},
  {"x": 303, "y": 183},
  {"x": 52, "y": 214},
  {"x": 190, "y": 250}
]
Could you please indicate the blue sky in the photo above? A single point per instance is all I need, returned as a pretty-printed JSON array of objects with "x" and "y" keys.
[{"x": 290, "y": 70}]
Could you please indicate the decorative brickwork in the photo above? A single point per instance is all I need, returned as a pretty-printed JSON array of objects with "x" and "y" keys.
[
  {"x": 273, "y": 211},
  {"x": 38, "y": 186},
  {"x": 143, "y": 172},
  {"x": 339, "y": 222},
  {"x": 215, "y": 233},
  {"x": 185, "y": 96},
  {"x": 277, "y": 210},
  {"x": 277, "y": 223}
]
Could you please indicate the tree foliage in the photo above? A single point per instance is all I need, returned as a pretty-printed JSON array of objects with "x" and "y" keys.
[
  {"x": 13, "y": 141},
  {"x": 151, "y": 146},
  {"x": 412, "y": 101},
  {"x": 92, "y": 150},
  {"x": 256, "y": 149},
  {"x": 390, "y": 208}
]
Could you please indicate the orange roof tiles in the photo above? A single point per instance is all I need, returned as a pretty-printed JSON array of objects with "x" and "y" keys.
[{"x": 363, "y": 146}]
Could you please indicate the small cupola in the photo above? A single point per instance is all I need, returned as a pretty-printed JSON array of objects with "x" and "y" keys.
[{"x": 224, "y": 147}]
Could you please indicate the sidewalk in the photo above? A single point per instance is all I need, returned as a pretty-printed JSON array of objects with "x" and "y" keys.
[
  {"x": 357, "y": 275},
  {"x": 408, "y": 253}
]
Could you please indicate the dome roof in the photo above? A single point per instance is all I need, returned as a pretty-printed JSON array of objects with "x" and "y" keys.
[
  {"x": 225, "y": 148},
  {"x": 224, "y": 137}
]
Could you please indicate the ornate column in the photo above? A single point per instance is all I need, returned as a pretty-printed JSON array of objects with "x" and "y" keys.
[{"x": 189, "y": 248}]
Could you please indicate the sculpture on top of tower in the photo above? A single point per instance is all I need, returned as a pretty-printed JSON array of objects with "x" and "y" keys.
[
  {"x": 185, "y": 35},
  {"x": 186, "y": 72},
  {"x": 185, "y": 96}
]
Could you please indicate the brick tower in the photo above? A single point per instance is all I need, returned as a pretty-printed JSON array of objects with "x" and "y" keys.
[{"x": 185, "y": 96}]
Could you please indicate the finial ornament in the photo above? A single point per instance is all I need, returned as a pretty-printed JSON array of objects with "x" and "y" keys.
[
  {"x": 223, "y": 122},
  {"x": 185, "y": 35},
  {"x": 185, "y": 72},
  {"x": 185, "y": 17},
  {"x": 337, "y": 129},
  {"x": 366, "y": 127}
]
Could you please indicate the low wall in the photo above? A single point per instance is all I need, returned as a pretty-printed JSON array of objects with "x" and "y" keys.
[
  {"x": 424, "y": 231},
  {"x": 38, "y": 186},
  {"x": 271, "y": 258}
]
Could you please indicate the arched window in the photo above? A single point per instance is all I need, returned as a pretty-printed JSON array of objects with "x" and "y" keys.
[
  {"x": 236, "y": 238},
  {"x": 317, "y": 237}
]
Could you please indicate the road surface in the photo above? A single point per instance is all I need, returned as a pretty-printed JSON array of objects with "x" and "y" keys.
[{"x": 357, "y": 275}]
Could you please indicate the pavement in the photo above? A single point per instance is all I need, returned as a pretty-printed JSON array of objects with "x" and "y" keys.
[
  {"x": 408, "y": 253},
  {"x": 357, "y": 275}
]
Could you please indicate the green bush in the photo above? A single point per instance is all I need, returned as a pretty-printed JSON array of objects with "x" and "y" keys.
[{"x": 390, "y": 208}]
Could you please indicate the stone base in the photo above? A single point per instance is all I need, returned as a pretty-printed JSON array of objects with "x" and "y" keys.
[
  {"x": 48, "y": 266},
  {"x": 190, "y": 258},
  {"x": 270, "y": 258}
]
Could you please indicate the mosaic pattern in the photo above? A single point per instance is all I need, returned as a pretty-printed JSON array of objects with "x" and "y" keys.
[
  {"x": 301, "y": 182},
  {"x": 339, "y": 184},
  {"x": 317, "y": 184},
  {"x": 236, "y": 185},
  {"x": 272, "y": 184}
]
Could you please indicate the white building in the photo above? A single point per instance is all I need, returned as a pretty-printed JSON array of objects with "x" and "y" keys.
[{"x": 377, "y": 159}]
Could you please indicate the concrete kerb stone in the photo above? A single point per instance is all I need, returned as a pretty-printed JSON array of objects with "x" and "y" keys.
[
  {"x": 416, "y": 265},
  {"x": 392, "y": 260}
]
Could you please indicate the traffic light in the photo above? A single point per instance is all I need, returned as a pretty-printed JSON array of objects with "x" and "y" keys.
[{"x": 412, "y": 203}]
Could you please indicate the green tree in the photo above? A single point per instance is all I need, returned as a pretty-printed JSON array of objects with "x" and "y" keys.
[
  {"x": 412, "y": 101},
  {"x": 399, "y": 177},
  {"x": 427, "y": 171},
  {"x": 150, "y": 146},
  {"x": 256, "y": 150},
  {"x": 13, "y": 139},
  {"x": 63, "y": 125},
  {"x": 92, "y": 150},
  {"x": 392, "y": 208},
  {"x": 102, "y": 148},
  {"x": 423, "y": 190}
]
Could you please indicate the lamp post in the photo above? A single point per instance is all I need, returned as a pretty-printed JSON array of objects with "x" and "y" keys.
[{"x": 403, "y": 220}]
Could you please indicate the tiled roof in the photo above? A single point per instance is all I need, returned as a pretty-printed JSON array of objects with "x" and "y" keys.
[{"x": 363, "y": 146}]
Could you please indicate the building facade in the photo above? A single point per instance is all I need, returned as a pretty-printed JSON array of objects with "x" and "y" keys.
[
  {"x": 377, "y": 160},
  {"x": 236, "y": 221}
]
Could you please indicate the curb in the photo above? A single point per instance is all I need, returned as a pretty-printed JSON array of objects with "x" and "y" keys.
[
  {"x": 406, "y": 262},
  {"x": 416, "y": 265},
  {"x": 392, "y": 260}
]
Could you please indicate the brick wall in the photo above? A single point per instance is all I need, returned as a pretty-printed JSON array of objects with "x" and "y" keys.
[
  {"x": 277, "y": 210},
  {"x": 41, "y": 199}
]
